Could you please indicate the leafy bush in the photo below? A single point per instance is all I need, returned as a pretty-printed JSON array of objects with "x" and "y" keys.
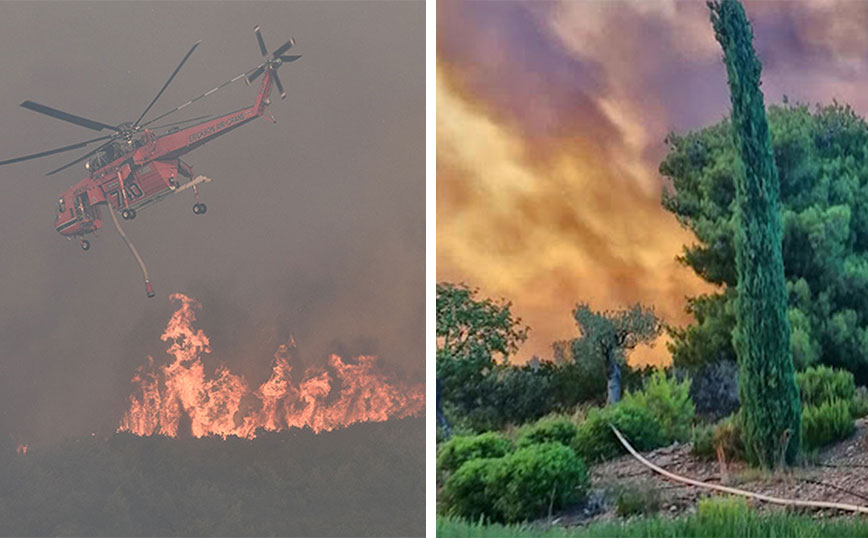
[
  {"x": 453, "y": 453},
  {"x": 721, "y": 508},
  {"x": 470, "y": 491},
  {"x": 702, "y": 443},
  {"x": 669, "y": 401},
  {"x": 714, "y": 390},
  {"x": 821, "y": 384},
  {"x": 556, "y": 429},
  {"x": 519, "y": 486},
  {"x": 727, "y": 437},
  {"x": 826, "y": 423},
  {"x": 537, "y": 478},
  {"x": 637, "y": 501},
  {"x": 859, "y": 403},
  {"x": 595, "y": 441}
]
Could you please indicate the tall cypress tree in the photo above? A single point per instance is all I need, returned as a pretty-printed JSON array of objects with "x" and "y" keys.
[{"x": 771, "y": 407}]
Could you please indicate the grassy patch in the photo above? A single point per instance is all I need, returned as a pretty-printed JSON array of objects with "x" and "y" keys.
[{"x": 731, "y": 519}]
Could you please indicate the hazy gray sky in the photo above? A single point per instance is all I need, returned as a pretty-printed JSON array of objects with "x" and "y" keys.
[{"x": 315, "y": 225}]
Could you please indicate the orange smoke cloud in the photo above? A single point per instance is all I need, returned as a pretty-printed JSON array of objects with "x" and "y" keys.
[
  {"x": 549, "y": 233},
  {"x": 222, "y": 403},
  {"x": 547, "y": 190}
]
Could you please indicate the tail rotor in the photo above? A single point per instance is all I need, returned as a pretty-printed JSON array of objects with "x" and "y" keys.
[{"x": 273, "y": 62}]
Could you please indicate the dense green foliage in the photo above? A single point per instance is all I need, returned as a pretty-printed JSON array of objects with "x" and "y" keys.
[
  {"x": 461, "y": 448},
  {"x": 479, "y": 390},
  {"x": 471, "y": 333},
  {"x": 669, "y": 402},
  {"x": 471, "y": 492},
  {"x": 821, "y": 384},
  {"x": 823, "y": 170},
  {"x": 519, "y": 486},
  {"x": 595, "y": 440},
  {"x": 539, "y": 478},
  {"x": 550, "y": 429},
  {"x": 829, "y": 405},
  {"x": 747, "y": 523},
  {"x": 769, "y": 397},
  {"x": 714, "y": 389},
  {"x": 724, "y": 436},
  {"x": 366, "y": 480},
  {"x": 859, "y": 403},
  {"x": 826, "y": 423},
  {"x": 609, "y": 335},
  {"x": 702, "y": 441},
  {"x": 632, "y": 501},
  {"x": 728, "y": 438}
]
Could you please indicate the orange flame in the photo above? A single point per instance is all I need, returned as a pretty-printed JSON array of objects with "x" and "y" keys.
[{"x": 223, "y": 404}]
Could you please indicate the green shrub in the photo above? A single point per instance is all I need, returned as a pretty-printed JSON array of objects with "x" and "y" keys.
[
  {"x": 859, "y": 403},
  {"x": 721, "y": 508},
  {"x": 826, "y": 423},
  {"x": 669, "y": 401},
  {"x": 595, "y": 441},
  {"x": 821, "y": 384},
  {"x": 519, "y": 486},
  {"x": 637, "y": 501},
  {"x": 555, "y": 429},
  {"x": 454, "y": 452},
  {"x": 702, "y": 443},
  {"x": 728, "y": 437},
  {"x": 470, "y": 491},
  {"x": 536, "y": 478}
]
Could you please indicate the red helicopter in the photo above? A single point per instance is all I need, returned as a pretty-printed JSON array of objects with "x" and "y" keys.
[{"x": 134, "y": 167}]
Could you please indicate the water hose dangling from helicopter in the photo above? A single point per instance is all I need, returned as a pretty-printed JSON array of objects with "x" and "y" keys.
[{"x": 149, "y": 290}]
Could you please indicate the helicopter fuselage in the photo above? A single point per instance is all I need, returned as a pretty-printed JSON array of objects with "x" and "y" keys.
[{"x": 147, "y": 172}]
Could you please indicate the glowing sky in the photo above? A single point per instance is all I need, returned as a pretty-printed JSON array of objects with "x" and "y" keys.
[{"x": 550, "y": 126}]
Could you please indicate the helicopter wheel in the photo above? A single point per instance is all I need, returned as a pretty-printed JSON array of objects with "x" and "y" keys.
[
  {"x": 199, "y": 208},
  {"x": 85, "y": 244}
]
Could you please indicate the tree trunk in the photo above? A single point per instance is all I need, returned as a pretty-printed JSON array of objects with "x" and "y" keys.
[
  {"x": 447, "y": 431},
  {"x": 614, "y": 385}
]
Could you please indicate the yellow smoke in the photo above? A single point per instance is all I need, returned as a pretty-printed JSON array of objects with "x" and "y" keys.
[{"x": 547, "y": 227}]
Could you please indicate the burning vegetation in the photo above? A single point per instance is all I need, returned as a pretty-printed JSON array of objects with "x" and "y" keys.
[{"x": 222, "y": 403}]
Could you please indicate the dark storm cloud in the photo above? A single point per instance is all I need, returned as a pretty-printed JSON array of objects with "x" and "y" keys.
[{"x": 315, "y": 227}]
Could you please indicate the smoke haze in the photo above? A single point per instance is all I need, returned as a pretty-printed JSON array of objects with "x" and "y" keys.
[
  {"x": 315, "y": 227},
  {"x": 550, "y": 126}
]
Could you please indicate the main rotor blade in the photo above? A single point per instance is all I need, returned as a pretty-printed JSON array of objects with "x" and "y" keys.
[
  {"x": 65, "y": 116},
  {"x": 261, "y": 42},
  {"x": 255, "y": 75},
  {"x": 279, "y": 85},
  {"x": 53, "y": 151},
  {"x": 290, "y": 58},
  {"x": 102, "y": 147},
  {"x": 166, "y": 85},
  {"x": 193, "y": 100},
  {"x": 283, "y": 48}
]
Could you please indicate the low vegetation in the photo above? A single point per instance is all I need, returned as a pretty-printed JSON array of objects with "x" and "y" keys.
[
  {"x": 714, "y": 518},
  {"x": 365, "y": 480}
]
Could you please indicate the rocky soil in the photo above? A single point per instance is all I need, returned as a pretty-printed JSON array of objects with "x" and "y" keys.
[{"x": 838, "y": 473}]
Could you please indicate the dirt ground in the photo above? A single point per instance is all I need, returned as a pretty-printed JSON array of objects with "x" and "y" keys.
[{"x": 839, "y": 473}]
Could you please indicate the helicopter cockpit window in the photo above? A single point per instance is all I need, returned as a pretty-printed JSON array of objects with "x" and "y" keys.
[{"x": 61, "y": 205}]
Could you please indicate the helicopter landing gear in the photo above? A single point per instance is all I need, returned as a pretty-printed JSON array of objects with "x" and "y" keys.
[
  {"x": 85, "y": 245},
  {"x": 128, "y": 214},
  {"x": 199, "y": 208}
]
